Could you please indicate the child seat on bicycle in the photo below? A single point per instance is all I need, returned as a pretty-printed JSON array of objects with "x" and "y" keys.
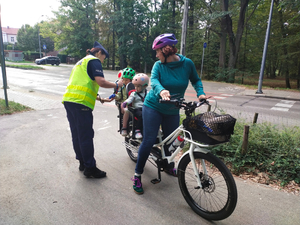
[{"x": 136, "y": 100}]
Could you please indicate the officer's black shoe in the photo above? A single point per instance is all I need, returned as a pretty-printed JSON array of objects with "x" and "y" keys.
[
  {"x": 94, "y": 172},
  {"x": 81, "y": 166}
]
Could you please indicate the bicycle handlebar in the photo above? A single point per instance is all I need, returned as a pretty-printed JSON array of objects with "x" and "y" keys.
[
  {"x": 189, "y": 107},
  {"x": 180, "y": 102}
]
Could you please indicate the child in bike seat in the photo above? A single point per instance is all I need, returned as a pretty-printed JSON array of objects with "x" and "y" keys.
[
  {"x": 126, "y": 75},
  {"x": 136, "y": 99}
]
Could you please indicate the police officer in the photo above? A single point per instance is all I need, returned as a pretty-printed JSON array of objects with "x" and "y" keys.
[{"x": 79, "y": 102}]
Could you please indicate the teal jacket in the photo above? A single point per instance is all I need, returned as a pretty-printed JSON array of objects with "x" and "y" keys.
[{"x": 174, "y": 77}]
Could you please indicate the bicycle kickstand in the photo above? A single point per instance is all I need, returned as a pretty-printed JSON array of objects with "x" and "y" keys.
[{"x": 157, "y": 180}]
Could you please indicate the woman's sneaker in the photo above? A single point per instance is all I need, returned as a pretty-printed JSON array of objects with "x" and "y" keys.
[
  {"x": 137, "y": 185},
  {"x": 138, "y": 134}
]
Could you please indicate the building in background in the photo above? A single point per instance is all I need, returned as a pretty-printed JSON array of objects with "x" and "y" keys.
[
  {"x": 13, "y": 55},
  {"x": 9, "y": 35}
]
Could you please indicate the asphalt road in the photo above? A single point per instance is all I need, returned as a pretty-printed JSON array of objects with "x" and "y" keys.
[
  {"x": 41, "y": 184},
  {"x": 51, "y": 83}
]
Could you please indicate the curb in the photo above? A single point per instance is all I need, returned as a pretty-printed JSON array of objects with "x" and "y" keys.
[{"x": 277, "y": 97}]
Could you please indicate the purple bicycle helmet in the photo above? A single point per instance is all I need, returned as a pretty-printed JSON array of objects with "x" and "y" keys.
[{"x": 163, "y": 40}]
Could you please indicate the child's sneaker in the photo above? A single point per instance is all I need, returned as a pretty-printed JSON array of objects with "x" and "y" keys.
[
  {"x": 138, "y": 134},
  {"x": 124, "y": 132},
  {"x": 137, "y": 185}
]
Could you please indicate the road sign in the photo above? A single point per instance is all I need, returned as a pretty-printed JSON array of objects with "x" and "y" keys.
[
  {"x": 44, "y": 47},
  {"x": 204, "y": 45}
]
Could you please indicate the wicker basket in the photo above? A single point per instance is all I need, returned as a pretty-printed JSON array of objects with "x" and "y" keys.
[{"x": 210, "y": 128}]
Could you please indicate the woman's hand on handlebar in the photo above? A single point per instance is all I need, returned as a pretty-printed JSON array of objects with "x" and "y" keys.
[
  {"x": 165, "y": 95},
  {"x": 202, "y": 97}
]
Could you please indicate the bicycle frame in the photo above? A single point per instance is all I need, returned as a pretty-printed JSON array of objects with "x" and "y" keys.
[
  {"x": 197, "y": 168},
  {"x": 194, "y": 147}
]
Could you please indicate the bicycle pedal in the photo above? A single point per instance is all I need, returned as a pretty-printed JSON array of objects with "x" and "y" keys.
[{"x": 155, "y": 181}]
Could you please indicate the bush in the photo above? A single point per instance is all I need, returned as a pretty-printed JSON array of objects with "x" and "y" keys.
[
  {"x": 271, "y": 150},
  {"x": 31, "y": 56}
]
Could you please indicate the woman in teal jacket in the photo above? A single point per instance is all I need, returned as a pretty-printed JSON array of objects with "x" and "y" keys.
[{"x": 170, "y": 75}]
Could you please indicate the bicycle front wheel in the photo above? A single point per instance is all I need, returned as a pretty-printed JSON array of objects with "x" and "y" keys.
[{"x": 217, "y": 198}]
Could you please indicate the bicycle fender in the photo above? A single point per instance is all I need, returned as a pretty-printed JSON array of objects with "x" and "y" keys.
[{"x": 202, "y": 150}]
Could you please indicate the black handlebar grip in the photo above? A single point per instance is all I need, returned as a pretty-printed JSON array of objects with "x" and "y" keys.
[{"x": 168, "y": 101}]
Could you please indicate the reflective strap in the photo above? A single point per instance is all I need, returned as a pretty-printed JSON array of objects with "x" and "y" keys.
[
  {"x": 82, "y": 97},
  {"x": 84, "y": 89}
]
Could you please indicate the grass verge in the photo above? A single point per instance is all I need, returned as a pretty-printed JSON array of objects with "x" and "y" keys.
[
  {"x": 25, "y": 67},
  {"x": 12, "y": 108}
]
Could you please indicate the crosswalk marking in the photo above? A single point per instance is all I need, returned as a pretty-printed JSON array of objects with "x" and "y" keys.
[
  {"x": 227, "y": 95},
  {"x": 191, "y": 95},
  {"x": 288, "y": 102},
  {"x": 280, "y": 109},
  {"x": 283, "y": 105},
  {"x": 219, "y": 97}
]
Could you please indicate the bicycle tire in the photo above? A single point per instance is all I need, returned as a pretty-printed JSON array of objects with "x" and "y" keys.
[
  {"x": 217, "y": 198},
  {"x": 132, "y": 154}
]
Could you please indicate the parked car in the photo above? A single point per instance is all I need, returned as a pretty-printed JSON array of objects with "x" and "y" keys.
[{"x": 48, "y": 60}]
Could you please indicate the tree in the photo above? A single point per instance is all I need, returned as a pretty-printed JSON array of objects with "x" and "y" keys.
[
  {"x": 28, "y": 39},
  {"x": 290, "y": 39},
  {"x": 132, "y": 32},
  {"x": 234, "y": 36},
  {"x": 75, "y": 27}
]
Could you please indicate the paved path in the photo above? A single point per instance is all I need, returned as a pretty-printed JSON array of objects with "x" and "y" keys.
[{"x": 40, "y": 182}]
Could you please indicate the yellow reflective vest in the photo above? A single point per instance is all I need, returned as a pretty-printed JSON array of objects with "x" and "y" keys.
[{"x": 81, "y": 88}]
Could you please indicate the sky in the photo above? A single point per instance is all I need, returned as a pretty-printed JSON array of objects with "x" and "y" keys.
[{"x": 15, "y": 13}]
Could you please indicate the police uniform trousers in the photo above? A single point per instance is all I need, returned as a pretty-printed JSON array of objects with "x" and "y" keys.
[{"x": 80, "y": 118}]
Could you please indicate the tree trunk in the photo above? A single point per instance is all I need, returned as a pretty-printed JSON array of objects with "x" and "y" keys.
[
  {"x": 298, "y": 77},
  {"x": 114, "y": 42},
  {"x": 285, "y": 51},
  {"x": 173, "y": 16},
  {"x": 223, "y": 35},
  {"x": 235, "y": 41},
  {"x": 190, "y": 46},
  {"x": 107, "y": 60}
]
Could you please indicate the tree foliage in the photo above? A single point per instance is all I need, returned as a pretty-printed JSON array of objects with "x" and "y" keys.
[
  {"x": 75, "y": 27},
  {"x": 233, "y": 30},
  {"x": 29, "y": 40}
]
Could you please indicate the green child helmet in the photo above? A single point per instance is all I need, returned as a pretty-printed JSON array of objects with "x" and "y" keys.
[{"x": 128, "y": 73}]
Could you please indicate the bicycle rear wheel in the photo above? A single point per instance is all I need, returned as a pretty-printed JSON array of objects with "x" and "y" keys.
[
  {"x": 217, "y": 198},
  {"x": 132, "y": 148}
]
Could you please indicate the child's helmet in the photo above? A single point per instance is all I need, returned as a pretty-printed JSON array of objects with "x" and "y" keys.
[
  {"x": 141, "y": 79},
  {"x": 128, "y": 73},
  {"x": 163, "y": 40},
  {"x": 120, "y": 74}
]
